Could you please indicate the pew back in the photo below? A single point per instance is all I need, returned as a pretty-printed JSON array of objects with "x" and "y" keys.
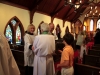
[
  {"x": 91, "y": 60},
  {"x": 19, "y": 58},
  {"x": 94, "y": 52},
  {"x": 81, "y": 69},
  {"x": 96, "y": 47}
]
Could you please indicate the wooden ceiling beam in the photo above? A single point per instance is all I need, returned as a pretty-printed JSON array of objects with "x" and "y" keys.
[
  {"x": 31, "y": 16},
  {"x": 35, "y": 3},
  {"x": 75, "y": 19},
  {"x": 67, "y": 15},
  {"x": 78, "y": 12},
  {"x": 13, "y": 4},
  {"x": 57, "y": 11},
  {"x": 34, "y": 10},
  {"x": 55, "y": 8},
  {"x": 44, "y": 5}
]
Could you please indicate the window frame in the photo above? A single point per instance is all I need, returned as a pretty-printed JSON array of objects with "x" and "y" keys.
[{"x": 13, "y": 28}]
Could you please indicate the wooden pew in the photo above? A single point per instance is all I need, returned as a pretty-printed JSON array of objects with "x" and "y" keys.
[
  {"x": 19, "y": 58},
  {"x": 91, "y": 60},
  {"x": 82, "y": 69},
  {"x": 17, "y": 47},
  {"x": 18, "y": 53},
  {"x": 96, "y": 44},
  {"x": 11, "y": 46},
  {"x": 94, "y": 52},
  {"x": 96, "y": 47}
]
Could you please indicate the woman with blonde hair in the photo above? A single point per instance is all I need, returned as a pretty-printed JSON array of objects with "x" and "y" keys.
[{"x": 28, "y": 53}]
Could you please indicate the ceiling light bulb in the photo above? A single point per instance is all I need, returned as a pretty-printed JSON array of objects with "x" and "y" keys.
[
  {"x": 95, "y": 7},
  {"x": 85, "y": 16},
  {"x": 90, "y": 12},
  {"x": 96, "y": 11},
  {"x": 80, "y": 1},
  {"x": 91, "y": 7},
  {"x": 70, "y": 0}
]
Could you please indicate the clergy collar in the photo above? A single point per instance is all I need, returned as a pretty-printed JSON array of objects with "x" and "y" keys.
[
  {"x": 45, "y": 32},
  {"x": 30, "y": 33}
]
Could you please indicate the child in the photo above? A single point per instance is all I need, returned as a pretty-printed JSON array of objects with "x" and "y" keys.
[
  {"x": 83, "y": 50},
  {"x": 76, "y": 54},
  {"x": 67, "y": 56}
]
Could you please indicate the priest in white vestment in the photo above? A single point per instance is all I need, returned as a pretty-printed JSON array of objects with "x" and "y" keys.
[
  {"x": 44, "y": 47},
  {"x": 8, "y": 65},
  {"x": 28, "y": 53}
]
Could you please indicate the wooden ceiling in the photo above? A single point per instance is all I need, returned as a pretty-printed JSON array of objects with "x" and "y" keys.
[{"x": 53, "y": 8}]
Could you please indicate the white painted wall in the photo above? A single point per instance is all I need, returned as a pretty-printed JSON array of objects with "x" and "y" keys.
[
  {"x": 7, "y": 12},
  {"x": 38, "y": 18}
]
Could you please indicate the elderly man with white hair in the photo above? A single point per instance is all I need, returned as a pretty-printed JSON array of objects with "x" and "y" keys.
[{"x": 44, "y": 47}]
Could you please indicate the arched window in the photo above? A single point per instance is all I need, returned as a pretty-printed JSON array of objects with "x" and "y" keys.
[
  {"x": 91, "y": 25},
  {"x": 58, "y": 31},
  {"x": 67, "y": 30},
  {"x": 14, "y": 31},
  {"x": 38, "y": 29},
  {"x": 98, "y": 24},
  {"x": 84, "y": 28}
]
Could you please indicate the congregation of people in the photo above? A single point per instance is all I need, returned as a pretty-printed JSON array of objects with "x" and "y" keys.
[
  {"x": 43, "y": 50},
  {"x": 85, "y": 42},
  {"x": 39, "y": 50}
]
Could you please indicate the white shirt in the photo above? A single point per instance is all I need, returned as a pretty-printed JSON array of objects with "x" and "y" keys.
[
  {"x": 80, "y": 39},
  {"x": 28, "y": 54},
  {"x": 82, "y": 51}
]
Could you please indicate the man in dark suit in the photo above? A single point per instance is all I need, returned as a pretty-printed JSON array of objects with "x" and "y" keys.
[{"x": 97, "y": 37}]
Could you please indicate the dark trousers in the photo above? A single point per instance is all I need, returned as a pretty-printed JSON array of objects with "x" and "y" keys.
[
  {"x": 28, "y": 70},
  {"x": 58, "y": 35},
  {"x": 78, "y": 47}
]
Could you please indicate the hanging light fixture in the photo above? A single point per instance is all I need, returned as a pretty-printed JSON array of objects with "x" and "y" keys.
[
  {"x": 76, "y": 3},
  {"x": 93, "y": 13},
  {"x": 72, "y": 3}
]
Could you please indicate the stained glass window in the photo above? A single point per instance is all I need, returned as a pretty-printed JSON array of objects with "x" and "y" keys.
[
  {"x": 13, "y": 22},
  {"x": 14, "y": 31},
  {"x": 18, "y": 35},
  {"x": 39, "y": 29},
  {"x": 9, "y": 33},
  {"x": 98, "y": 24}
]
